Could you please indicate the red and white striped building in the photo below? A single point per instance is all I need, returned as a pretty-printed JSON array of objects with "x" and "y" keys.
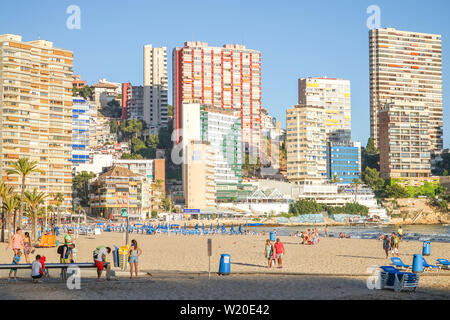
[{"x": 226, "y": 77}]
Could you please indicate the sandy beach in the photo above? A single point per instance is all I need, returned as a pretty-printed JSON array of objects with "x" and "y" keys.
[{"x": 176, "y": 267}]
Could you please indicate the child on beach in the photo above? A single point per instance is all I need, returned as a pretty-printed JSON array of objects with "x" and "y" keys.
[
  {"x": 16, "y": 260},
  {"x": 37, "y": 270},
  {"x": 27, "y": 249}
]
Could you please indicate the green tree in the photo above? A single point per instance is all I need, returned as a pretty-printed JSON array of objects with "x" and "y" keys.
[
  {"x": 370, "y": 147},
  {"x": 86, "y": 92},
  {"x": 305, "y": 206},
  {"x": 59, "y": 199},
  {"x": 34, "y": 200},
  {"x": 80, "y": 184},
  {"x": 23, "y": 168},
  {"x": 5, "y": 191},
  {"x": 395, "y": 191},
  {"x": 9, "y": 206},
  {"x": 372, "y": 178}
]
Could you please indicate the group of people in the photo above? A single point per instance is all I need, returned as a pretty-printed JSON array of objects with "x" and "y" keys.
[
  {"x": 274, "y": 253},
  {"x": 391, "y": 244},
  {"x": 311, "y": 236},
  {"x": 66, "y": 253}
]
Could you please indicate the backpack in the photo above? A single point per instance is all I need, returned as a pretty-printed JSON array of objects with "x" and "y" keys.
[
  {"x": 60, "y": 249},
  {"x": 96, "y": 251}
]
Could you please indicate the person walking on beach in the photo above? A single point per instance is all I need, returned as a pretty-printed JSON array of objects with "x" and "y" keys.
[
  {"x": 133, "y": 259},
  {"x": 326, "y": 231},
  {"x": 37, "y": 271},
  {"x": 394, "y": 244},
  {"x": 100, "y": 254},
  {"x": 16, "y": 260},
  {"x": 400, "y": 233},
  {"x": 27, "y": 249},
  {"x": 16, "y": 240},
  {"x": 268, "y": 250},
  {"x": 279, "y": 251},
  {"x": 386, "y": 245}
]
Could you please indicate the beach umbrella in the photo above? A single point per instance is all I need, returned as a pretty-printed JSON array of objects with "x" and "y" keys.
[
  {"x": 223, "y": 227},
  {"x": 185, "y": 226},
  {"x": 196, "y": 226},
  {"x": 211, "y": 227},
  {"x": 218, "y": 226},
  {"x": 240, "y": 228},
  {"x": 203, "y": 227},
  {"x": 232, "y": 228}
]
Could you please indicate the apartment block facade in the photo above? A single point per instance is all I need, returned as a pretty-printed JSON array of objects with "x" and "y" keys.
[
  {"x": 80, "y": 131},
  {"x": 343, "y": 161},
  {"x": 155, "y": 96},
  {"x": 306, "y": 144},
  {"x": 227, "y": 77},
  {"x": 406, "y": 67},
  {"x": 36, "y": 113},
  {"x": 405, "y": 141},
  {"x": 132, "y": 102},
  {"x": 221, "y": 128},
  {"x": 334, "y": 96},
  {"x": 199, "y": 184}
]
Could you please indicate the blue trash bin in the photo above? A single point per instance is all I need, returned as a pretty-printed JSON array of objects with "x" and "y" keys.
[
  {"x": 272, "y": 236},
  {"x": 426, "y": 248},
  {"x": 224, "y": 267},
  {"x": 417, "y": 263},
  {"x": 116, "y": 256}
]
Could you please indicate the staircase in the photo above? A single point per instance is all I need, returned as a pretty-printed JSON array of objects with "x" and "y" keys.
[{"x": 417, "y": 216}]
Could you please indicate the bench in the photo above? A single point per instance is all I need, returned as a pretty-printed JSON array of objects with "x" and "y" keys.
[{"x": 82, "y": 265}]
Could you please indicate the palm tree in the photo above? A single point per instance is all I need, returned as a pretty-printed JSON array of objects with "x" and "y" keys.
[
  {"x": 10, "y": 205},
  {"x": 5, "y": 191},
  {"x": 34, "y": 200},
  {"x": 335, "y": 179},
  {"x": 356, "y": 182},
  {"x": 23, "y": 167},
  {"x": 59, "y": 198}
]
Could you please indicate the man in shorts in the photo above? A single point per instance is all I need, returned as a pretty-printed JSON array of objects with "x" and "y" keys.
[
  {"x": 66, "y": 258},
  {"x": 100, "y": 259},
  {"x": 279, "y": 251}
]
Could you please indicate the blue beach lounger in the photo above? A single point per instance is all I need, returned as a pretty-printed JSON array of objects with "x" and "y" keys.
[
  {"x": 399, "y": 263},
  {"x": 444, "y": 263},
  {"x": 429, "y": 266}
]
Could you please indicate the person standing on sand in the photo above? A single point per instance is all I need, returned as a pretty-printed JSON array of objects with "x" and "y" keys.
[
  {"x": 27, "y": 249},
  {"x": 279, "y": 251},
  {"x": 16, "y": 260},
  {"x": 386, "y": 245},
  {"x": 268, "y": 250},
  {"x": 326, "y": 231},
  {"x": 16, "y": 240},
  {"x": 134, "y": 254},
  {"x": 394, "y": 244},
  {"x": 400, "y": 233}
]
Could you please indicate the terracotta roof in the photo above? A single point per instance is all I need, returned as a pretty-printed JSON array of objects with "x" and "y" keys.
[
  {"x": 105, "y": 85},
  {"x": 117, "y": 171}
]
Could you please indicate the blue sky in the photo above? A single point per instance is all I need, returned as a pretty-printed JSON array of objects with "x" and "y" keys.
[{"x": 296, "y": 38}]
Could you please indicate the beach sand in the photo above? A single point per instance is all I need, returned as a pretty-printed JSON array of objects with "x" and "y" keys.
[{"x": 177, "y": 268}]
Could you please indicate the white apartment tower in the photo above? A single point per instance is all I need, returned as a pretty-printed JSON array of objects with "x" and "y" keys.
[
  {"x": 405, "y": 68},
  {"x": 334, "y": 96},
  {"x": 155, "y": 88}
]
